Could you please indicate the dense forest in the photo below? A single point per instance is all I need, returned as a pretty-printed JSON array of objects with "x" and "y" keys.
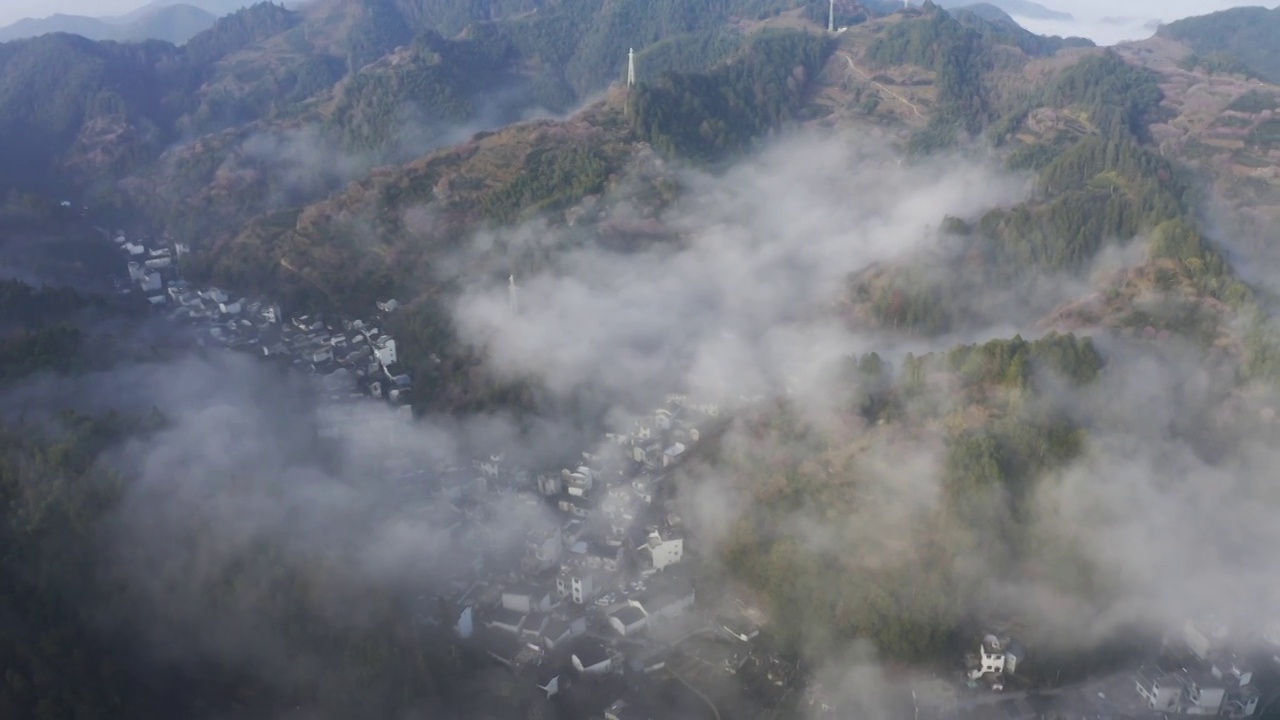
[
  {"x": 915, "y": 607},
  {"x": 40, "y": 330},
  {"x": 708, "y": 116},
  {"x": 80, "y": 634},
  {"x": 1245, "y": 35},
  {"x": 53, "y": 88},
  {"x": 960, "y": 56},
  {"x": 60, "y": 92}
]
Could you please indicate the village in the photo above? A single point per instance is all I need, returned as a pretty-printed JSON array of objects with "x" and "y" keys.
[
  {"x": 595, "y": 601},
  {"x": 590, "y": 600}
]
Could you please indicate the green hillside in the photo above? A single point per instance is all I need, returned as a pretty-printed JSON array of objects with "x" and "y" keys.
[
  {"x": 1248, "y": 34},
  {"x": 351, "y": 151}
]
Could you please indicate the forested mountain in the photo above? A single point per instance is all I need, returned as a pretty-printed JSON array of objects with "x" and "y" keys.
[
  {"x": 270, "y": 71},
  {"x": 1246, "y": 33},
  {"x": 342, "y": 153}
]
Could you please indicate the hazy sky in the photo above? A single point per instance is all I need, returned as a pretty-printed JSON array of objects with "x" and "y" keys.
[
  {"x": 13, "y": 10},
  {"x": 1089, "y": 11}
]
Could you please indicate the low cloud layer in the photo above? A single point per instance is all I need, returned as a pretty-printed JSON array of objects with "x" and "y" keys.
[
  {"x": 1168, "y": 505},
  {"x": 1169, "y": 492},
  {"x": 739, "y": 304},
  {"x": 1111, "y": 23}
]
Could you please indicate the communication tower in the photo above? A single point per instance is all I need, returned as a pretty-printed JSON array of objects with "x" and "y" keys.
[{"x": 631, "y": 68}]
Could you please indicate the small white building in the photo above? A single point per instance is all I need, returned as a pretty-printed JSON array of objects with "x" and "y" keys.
[
  {"x": 576, "y": 585},
  {"x": 464, "y": 625},
  {"x": 527, "y": 599},
  {"x": 991, "y": 659},
  {"x": 661, "y": 553},
  {"x": 578, "y": 482},
  {"x": 549, "y": 485},
  {"x": 385, "y": 351},
  {"x": 152, "y": 282},
  {"x": 1205, "y": 635},
  {"x": 673, "y": 454},
  {"x": 544, "y": 547}
]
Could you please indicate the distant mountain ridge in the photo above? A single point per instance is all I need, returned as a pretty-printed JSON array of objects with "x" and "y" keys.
[
  {"x": 176, "y": 23},
  {"x": 216, "y": 8},
  {"x": 1021, "y": 8},
  {"x": 173, "y": 21}
]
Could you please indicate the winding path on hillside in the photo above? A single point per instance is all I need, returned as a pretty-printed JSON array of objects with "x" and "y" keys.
[
  {"x": 697, "y": 692},
  {"x": 882, "y": 88}
]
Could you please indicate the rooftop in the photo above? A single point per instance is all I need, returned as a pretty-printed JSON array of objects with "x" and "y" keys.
[
  {"x": 629, "y": 614},
  {"x": 506, "y": 616},
  {"x": 590, "y": 652}
]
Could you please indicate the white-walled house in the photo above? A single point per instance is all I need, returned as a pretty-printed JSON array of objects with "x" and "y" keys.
[
  {"x": 673, "y": 454},
  {"x": 662, "y": 552},
  {"x": 1185, "y": 692},
  {"x": 527, "y": 599},
  {"x": 544, "y": 546},
  {"x": 385, "y": 351},
  {"x": 1205, "y": 635},
  {"x": 549, "y": 485},
  {"x": 576, "y": 585},
  {"x": 994, "y": 659},
  {"x": 464, "y": 625}
]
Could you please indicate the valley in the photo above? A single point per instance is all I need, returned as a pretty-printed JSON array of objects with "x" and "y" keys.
[{"x": 926, "y": 367}]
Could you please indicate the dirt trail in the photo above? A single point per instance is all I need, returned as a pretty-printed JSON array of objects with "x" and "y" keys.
[{"x": 882, "y": 88}]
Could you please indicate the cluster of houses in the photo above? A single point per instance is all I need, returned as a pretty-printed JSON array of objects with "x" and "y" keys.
[
  {"x": 597, "y": 589},
  {"x": 595, "y": 592},
  {"x": 1200, "y": 674},
  {"x": 356, "y": 358}
]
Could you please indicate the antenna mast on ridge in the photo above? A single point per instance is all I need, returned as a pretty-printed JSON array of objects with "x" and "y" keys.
[
  {"x": 631, "y": 68},
  {"x": 831, "y": 17},
  {"x": 513, "y": 297}
]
